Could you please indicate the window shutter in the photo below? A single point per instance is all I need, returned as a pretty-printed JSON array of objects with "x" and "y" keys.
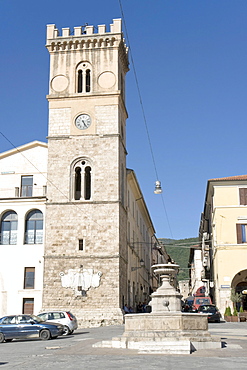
[
  {"x": 239, "y": 233},
  {"x": 243, "y": 196}
]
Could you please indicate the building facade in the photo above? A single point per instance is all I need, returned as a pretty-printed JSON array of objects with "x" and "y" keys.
[
  {"x": 22, "y": 212},
  {"x": 197, "y": 270},
  {"x": 144, "y": 250},
  {"x": 223, "y": 239}
]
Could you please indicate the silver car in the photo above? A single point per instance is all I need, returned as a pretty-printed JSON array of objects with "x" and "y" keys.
[{"x": 66, "y": 318}]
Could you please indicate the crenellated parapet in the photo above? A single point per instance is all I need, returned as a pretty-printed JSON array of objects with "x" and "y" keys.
[
  {"x": 84, "y": 37},
  {"x": 52, "y": 31}
]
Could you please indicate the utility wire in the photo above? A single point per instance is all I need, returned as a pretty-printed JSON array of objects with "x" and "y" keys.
[
  {"x": 138, "y": 89},
  {"x": 143, "y": 111}
]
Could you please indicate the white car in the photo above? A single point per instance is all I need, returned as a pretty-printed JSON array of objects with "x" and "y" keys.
[{"x": 66, "y": 318}]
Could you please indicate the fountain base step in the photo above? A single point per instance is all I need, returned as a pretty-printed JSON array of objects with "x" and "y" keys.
[{"x": 152, "y": 347}]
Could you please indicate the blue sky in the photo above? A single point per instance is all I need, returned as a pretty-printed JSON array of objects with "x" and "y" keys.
[{"x": 190, "y": 58}]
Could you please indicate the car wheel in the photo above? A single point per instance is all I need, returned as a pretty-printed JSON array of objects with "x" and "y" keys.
[
  {"x": 2, "y": 339},
  {"x": 45, "y": 334},
  {"x": 66, "y": 330}
]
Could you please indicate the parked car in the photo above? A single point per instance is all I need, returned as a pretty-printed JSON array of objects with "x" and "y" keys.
[
  {"x": 66, "y": 318},
  {"x": 211, "y": 311},
  {"x": 187, "y": 305},
  {"x": 199, "y": 301},
  {"x": 24, "y": 326}
]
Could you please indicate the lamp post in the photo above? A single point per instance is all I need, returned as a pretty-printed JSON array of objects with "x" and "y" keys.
[{"x": 142, "y": 263}]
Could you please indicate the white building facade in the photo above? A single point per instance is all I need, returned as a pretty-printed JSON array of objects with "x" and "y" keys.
[{"x": 22, "y": 211}]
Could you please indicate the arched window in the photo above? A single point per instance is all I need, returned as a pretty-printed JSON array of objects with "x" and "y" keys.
[
  {"x": 34, "y": 227},
  {"x": 87, "y": 183},
  {"x": 77, "y": 183},
  {"x": 88, "y": 80},
  {"x": 82, "y": 173},
  {"x": 9, "y": 223},
  {"x": 79, "y": 81},
  {"x": 83, "y": 77}
]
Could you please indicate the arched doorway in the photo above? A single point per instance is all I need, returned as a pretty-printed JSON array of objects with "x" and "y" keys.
[{"x": 239, "y": 284}]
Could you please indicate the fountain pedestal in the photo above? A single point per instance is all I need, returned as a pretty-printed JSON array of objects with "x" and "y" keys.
[
  {"x": 166, "y": 330},
  {"x": 166, "y": 298}
]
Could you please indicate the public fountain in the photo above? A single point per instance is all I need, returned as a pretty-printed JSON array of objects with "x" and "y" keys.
[{"x": 165, "y": 330}]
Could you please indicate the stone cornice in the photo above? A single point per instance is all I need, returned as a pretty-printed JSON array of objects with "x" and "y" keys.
[{"x": 83, "y": 256}]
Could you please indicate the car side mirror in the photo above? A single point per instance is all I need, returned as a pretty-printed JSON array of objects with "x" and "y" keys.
[{"x": 32, "y": 322}]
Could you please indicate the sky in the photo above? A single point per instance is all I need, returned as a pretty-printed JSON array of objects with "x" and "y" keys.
[{"x": 190, "y": 59}]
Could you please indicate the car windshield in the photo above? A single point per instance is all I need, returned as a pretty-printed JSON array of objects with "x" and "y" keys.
[{"x": 202, "y": 301}]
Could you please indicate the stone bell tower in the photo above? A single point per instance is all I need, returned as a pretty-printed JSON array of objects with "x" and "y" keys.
[{"x": 85, "y": 246}]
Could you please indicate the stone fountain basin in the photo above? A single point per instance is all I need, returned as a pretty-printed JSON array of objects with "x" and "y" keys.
[
  {"x": 165, "y": 268},
  {"x": 166, "y": 324}
]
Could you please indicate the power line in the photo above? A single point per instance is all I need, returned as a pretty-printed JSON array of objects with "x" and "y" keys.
[
  {"x": 138, "y": 89},
  {"x": 143, "y": 111}
]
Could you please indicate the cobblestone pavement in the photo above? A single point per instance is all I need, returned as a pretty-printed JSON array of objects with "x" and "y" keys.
[{"x": 76, "y": 352}]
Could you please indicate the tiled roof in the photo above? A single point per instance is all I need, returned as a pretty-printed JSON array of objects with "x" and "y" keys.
[{"x": 240, "y": 177}]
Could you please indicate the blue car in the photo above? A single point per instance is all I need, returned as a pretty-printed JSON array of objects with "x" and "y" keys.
[{"x": 27, "y": 326}]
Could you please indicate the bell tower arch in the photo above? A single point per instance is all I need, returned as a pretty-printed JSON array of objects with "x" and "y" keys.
[{"x": 86, "y": 211}]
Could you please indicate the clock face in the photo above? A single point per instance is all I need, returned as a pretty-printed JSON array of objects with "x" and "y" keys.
[{"x": 83, "y": 121}]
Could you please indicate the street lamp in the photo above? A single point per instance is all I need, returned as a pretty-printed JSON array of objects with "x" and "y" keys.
[
  {"x": 142, "y": 263},
  {"x": 157, "y": 189}
]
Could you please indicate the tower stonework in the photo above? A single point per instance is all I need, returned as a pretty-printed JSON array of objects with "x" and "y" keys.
[{"x": 85, "y": 259}]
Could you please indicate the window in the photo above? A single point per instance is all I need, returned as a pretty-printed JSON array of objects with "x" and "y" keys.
[
  {"x": 82, "y": 173},
  {"x": 122, "y": 185},
  {"x": 9, "y": 320},
  {"x": 9, "y": 228},
  {"x": 88, "y": 80},
  {"x": 243, "y": 196},
  {"x": 83, "y": 76},
  {"x": 241, "y": 233},
  {"x": 26, "y": 186},
  {"x": 27, "y": 306},
  {"x": 79, "y": 81},
  {"x": 58, "y": 315},
  {"x": 80, "y": 244},
  {"x": 77, "y": 183},
  {"x": 29, "y": 277},
  {"x": 34, "y": 227},
  {"x": 87, "y": 183}
]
